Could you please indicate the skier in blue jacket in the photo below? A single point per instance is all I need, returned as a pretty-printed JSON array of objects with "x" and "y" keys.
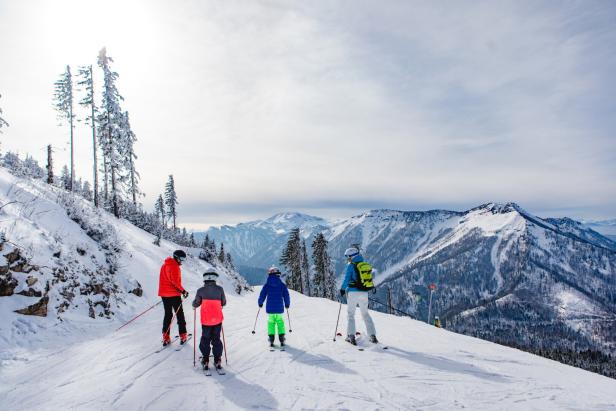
[
  {"x": 276, "y": 293},
  {"x": 355, "y": 297}
]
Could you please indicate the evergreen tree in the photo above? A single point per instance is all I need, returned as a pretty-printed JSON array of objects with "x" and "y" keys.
[
  {"x": 65, "y": 178},
  {"x": 324, "y": 282},
  {"x": 292, "y": 259},
  {"x": 87, "y": 82},
  {"x": 305, "y": 270},
  {"x": 86, "y": 191},
  {"x": 110, "y": 121},
  {"x": 3, "y": 122},
  {"x": 63, "y": 103},
  {"x": 49, "y": 165},
  {"x": 129, "y": 157},
  {"x": 229, "y": 262},
  {"x": 221, "y": 254},
  {"x": 159, "y": 210},
  {"x": 171, "y": 200},
  {"x": 191, "y": 240}
]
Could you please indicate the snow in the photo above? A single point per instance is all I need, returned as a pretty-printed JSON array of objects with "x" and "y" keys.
[
  {"x": 82, "y": 363},
  {"x": 424, "y": 367}
]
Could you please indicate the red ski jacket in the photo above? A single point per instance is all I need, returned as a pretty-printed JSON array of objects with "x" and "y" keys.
[
  {"x": 211, "y": 298},
  {"x": 170, "y": 282}
]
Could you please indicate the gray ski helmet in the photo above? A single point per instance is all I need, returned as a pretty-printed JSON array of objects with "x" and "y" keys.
[
  {"x": 179, "y": 255},
  {"x": 274, "y": 270},
  {"x": 351, "y": 252},
  {"x": 210, "y": 275}
]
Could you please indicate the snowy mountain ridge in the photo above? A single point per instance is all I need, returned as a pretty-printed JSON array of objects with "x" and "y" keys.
[{"x": 70, "y": 359}]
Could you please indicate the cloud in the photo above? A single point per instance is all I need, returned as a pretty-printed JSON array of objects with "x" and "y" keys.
[{"x": 309, "y": 104}]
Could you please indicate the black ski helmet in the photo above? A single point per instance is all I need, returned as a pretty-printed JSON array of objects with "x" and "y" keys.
[{"x": 179, "y": 255}]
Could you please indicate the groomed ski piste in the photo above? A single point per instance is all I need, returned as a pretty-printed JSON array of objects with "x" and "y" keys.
[{"x": 84, "y": 364}]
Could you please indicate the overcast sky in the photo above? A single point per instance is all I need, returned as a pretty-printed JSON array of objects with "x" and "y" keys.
[{"x": 334, "y": 107}]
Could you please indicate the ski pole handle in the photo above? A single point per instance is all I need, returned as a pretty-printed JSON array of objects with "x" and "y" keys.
[{"x": 255, "y": 326}]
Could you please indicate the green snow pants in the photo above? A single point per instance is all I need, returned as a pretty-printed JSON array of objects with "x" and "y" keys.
[{"x": 274, "y": 320}]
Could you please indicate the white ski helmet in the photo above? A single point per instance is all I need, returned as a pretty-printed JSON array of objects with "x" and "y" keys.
[
  {"x": 351, "y": 252},
  {"x": 210, "y": 275},
  {"x": 273, "y": 270}
]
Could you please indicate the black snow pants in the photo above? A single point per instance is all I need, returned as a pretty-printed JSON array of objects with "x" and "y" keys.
[
  {"x": 171, "y": 304},
  {"x": 211, "y": 335}
]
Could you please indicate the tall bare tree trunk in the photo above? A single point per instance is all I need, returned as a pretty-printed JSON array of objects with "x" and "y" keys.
[{"x": 94, "y": 144}]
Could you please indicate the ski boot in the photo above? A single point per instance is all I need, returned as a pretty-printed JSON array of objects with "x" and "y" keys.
[
  {"x": 282, "y": 338},
  {"x": 183, "y": 338},
  {"x": 166, "y": 339},
  {"x": 205, "y": 363},
  {"x": 271, "y": 339},
  {"x": 373, "y": 339},
  {"x": 218, "y": 364},
  {"x": 351, "y": 339}
]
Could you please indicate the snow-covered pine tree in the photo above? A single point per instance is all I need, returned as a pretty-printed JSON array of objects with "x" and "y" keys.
[
  {"x": 305, "y": 269},
  {"x": 65, "y": 178},
  {"x": 86, "y": 191},
  {"x": 49, "y": 165},
  {"x": 324, "y": 281},
  {"x": 191, "y": 240},
  {"x": 128, "y": 155},
  {"x": 110, "y": 121},
  {"x": 159, "y": 210},
  {"x": 221, "y": 254},
  {"x": 171, "y": 200},
  {"x": 292, "y": 259},
  {"x": 87, "y": 83},
  {"x": 3, "y": 122},
  {"x": 229, "y": 262},
  {"x": 63, "y": 103}
]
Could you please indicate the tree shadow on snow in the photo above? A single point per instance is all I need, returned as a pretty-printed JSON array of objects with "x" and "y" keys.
[
  {"x": 246, "y": 395},
  {"x": 445, "y": 364},
  {"x": 320, "y": 361}
]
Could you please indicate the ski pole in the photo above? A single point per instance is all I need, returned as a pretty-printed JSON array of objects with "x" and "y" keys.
[
  {"x": 194, "y": 336},
  {"x": 289, "y": 318},
  {"x": 224, "y": 343},
  {"x": 255, "y": 326},
  {"x": 134, "y": 318},
  {"x": 337, "y": 320}
]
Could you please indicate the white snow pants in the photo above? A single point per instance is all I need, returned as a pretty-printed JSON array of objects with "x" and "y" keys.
[{"x": 354, "y": 299}]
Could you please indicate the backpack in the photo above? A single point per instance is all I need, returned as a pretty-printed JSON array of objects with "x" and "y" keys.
[{"x": 363, "y": 282}]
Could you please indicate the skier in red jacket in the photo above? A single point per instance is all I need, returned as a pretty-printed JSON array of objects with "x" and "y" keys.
[{"x": 171, "y": 290}]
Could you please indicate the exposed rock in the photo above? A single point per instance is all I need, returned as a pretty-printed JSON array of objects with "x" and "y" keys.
[
  {"x": 13, "y": 256},
  {"x": 81, "y": 251},
  {"x": 7, "y": 285},
  {"x": 31, "y": 280},
  {"x": 31, "y": 293},
  {"x": 57, "y": 254},
  {"x": 137, "y": 291},
  {"x": 38, "y": 309}
]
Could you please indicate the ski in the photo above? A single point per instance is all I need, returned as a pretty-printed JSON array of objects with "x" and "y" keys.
[
  {"x": 207, "y": 371},
  {"x": 183, "y": 345},
  {"x": 165, "y": 346},
  {"x": 220, "y": 371}
]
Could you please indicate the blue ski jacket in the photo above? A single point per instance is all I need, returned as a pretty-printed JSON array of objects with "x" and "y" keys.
[
  {"x": 276, "y": 293},
  {"x": 350, "y": 274}
]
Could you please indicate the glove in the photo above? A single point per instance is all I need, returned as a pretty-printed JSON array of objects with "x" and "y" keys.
[
  {"x": 185, "y": 294},
  {"x": 260, "y": 305},
  {"x": 342, "y": 292},
  {"x": 286, "y": 306}
]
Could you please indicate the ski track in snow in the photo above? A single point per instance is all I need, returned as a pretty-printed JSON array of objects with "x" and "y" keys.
[{"x": 424, "y": 368}]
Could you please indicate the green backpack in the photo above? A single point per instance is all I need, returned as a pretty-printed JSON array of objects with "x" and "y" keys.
[{"x": 363, "y": 282}]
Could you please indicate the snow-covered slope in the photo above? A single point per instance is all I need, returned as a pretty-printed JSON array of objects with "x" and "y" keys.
[
  {"x": 67, "y": 265},
  {"x": 74, "y": 358},
  {"x": 424, "y": 368}
]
